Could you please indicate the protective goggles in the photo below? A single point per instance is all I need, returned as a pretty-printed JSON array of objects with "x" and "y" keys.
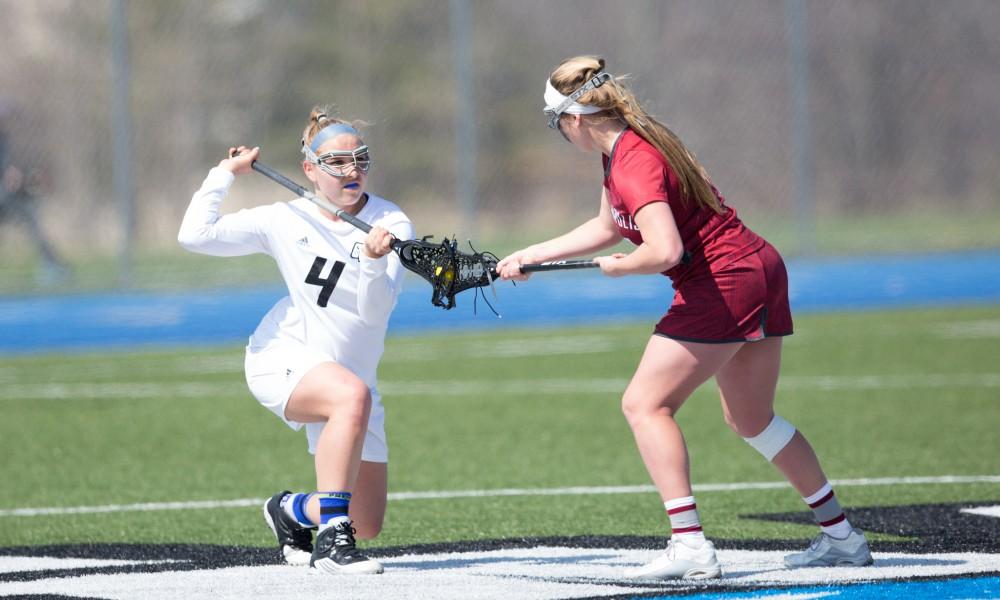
[
  {"x": 340, "y": 163},
  {"x": 557, "y": 104}
]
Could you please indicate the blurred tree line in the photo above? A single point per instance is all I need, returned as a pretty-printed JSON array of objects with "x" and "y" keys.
[{"x": 902, "y": 101}]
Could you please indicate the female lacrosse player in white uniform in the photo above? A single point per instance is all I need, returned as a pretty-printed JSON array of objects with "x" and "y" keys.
[{"x": 312, "y": 359}]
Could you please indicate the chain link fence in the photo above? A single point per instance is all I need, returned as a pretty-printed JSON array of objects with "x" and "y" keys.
[{"x": 899, "y": 99}]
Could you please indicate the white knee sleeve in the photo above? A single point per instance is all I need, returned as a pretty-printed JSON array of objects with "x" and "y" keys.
[{"x": 774, "y": 437}]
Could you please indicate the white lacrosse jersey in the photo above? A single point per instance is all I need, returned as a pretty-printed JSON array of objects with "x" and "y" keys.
[{"x": 339, "y": 300}]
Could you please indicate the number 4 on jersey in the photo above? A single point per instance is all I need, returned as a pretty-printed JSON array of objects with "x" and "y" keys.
[{"x": 327, "y": 284}]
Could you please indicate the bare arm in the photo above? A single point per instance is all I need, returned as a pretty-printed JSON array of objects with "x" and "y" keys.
[
  {"x": 596, "y": 234},
  {"x": 661, "y": 248}
]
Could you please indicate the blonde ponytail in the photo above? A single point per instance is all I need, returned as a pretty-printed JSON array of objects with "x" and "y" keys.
[{"x": 618, "y": 102}]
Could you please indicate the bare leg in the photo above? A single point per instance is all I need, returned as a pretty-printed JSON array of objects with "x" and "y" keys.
[
  {"x": 368, "y": 503},
  {"x": 747, "y": 386},
  {"x": 668, "y": 373},
  {"x": 331, "y": 393}
]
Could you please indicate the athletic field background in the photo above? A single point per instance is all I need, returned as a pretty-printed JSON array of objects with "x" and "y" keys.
[
  {"x": 501, "y": 431},
  {"x": 910, "y": 393},
  {"x": 858, "y": 137}
]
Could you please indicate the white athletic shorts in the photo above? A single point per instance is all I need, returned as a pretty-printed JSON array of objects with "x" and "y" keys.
[{"x": 274, "y": 370}]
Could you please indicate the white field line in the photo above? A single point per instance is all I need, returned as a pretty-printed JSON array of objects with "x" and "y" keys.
[
  {"x": 983, "y": 511},
  {"x": 564, "y": 491},
  {"x": 477, "y": 387}
]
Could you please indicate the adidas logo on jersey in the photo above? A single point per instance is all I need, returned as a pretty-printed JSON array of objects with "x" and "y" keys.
[
  {"x": 288, "y": 372},
  {"x": 303, "y": 242}
]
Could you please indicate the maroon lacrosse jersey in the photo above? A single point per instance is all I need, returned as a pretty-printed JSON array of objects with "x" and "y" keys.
[{"x": 720, "y": 253}]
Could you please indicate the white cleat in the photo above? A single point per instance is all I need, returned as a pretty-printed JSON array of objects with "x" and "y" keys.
[
  {"x": 680, "y": 561},
  {"x": 826, "y": 551}
]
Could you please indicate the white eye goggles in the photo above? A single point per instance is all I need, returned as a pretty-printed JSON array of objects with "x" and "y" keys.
[
  {"x": 556, "y": 104},
  {"x": 338, "y": 163}
]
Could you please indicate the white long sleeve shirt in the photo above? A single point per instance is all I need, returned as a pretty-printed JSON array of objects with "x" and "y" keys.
[{"x": 339, "y": 300}]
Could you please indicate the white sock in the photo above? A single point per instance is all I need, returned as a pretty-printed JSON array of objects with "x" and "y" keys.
[
  {"x": 334, "y": 521},
  {"x": 684, "y": 520},
  {"x": 293, "y": 501},
  {"x": 831, "y": 518}
]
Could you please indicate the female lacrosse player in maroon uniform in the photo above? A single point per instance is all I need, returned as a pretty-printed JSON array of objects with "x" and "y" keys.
[{"x": 729, "y": 312}]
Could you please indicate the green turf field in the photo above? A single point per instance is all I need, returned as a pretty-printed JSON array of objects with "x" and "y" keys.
[{"x": 881, "y": 394}]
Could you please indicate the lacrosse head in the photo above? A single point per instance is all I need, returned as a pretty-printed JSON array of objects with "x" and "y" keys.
[
  {"x": 447, "y": 269},
  {"x": 468, "y": 271}
]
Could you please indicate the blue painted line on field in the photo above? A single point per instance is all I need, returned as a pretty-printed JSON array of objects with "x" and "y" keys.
[
  {"x": 125, "y": 320},
  {"x": 976, "y": 587}
]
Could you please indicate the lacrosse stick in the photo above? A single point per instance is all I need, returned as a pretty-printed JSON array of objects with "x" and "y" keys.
[
  {"x": 559, "y": 265},
  {"x": 443, "y": 265}
]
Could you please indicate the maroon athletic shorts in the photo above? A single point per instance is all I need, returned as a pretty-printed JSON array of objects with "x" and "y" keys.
[{"x": 743, "y": 301}]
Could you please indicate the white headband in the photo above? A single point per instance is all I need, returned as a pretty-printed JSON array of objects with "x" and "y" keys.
[{"x": 554, "y": 99}]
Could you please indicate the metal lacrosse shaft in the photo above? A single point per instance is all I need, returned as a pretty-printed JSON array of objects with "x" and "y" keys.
[
  {"x": 328, "y": 206},
  {"x": 320, "y": 202},
  {"x": 559, "y": 265}
]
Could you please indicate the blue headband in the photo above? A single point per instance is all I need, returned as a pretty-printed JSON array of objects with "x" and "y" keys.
[{"x": 331, "y": 131}]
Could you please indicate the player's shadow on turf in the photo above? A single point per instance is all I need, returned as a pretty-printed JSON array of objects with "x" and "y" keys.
[
  {"x": 915, "y": 561},
  {"x": 459, "y": 563},
  {"x": 880, "y": 563}
]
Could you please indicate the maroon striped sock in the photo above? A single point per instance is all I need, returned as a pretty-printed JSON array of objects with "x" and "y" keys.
[
  {"x": 684, "y": 520},
  {"x": 829, "y": 515}
]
